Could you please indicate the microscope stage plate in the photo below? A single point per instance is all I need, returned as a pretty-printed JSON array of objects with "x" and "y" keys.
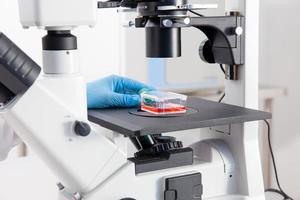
[{"x": 209, "y": 114}]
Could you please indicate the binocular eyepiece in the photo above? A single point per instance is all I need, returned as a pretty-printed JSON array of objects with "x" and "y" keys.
[{"x": 17, "y": 70}]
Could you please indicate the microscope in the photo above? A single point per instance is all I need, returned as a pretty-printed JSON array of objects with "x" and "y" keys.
[{"x": 48, "y": 110}]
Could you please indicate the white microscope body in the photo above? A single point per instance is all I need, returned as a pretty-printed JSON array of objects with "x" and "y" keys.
[
  {"x": 96, "y": 167},
  {"x": 44, "y": 116}
]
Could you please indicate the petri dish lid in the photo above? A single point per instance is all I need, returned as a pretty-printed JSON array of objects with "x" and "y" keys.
[{"x": 163, "y": 96}]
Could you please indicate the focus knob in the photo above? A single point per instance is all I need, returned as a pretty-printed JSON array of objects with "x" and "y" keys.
[
  {"x": 159, "y": 148},
  {"x": 164, "y": 139},
  {"x": 82, "y": 128},
  {"x": 206, "y": 52}
]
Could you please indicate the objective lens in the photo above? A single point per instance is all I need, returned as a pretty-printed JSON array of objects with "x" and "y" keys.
[{"x": 163, "y": 42}]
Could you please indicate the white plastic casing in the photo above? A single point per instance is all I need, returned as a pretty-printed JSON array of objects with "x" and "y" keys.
[
  {"x": 44, "y": 119},
  {"x": 57, "y": 13},
  {"x": 61, "y": 62}
]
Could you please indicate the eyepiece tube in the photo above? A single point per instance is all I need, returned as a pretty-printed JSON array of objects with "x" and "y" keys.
[
  {"x": 17, "y": 70},
  {"x": 163, "y": 42}
]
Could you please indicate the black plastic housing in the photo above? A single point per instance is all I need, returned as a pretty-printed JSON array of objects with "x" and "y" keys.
[
  {"x": 163, "y": 42},
  {"x": 59, "y": 40},
  {"x": 5, "y": 94},
  {"x": 163, "y": 160},
  {"x": 185, "y": 187},
  {"x": 17, "y": 70}
]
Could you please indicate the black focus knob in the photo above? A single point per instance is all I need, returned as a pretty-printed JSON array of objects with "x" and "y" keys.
[
  {"x": 164, "y": 139},
  {"x": 159, "y": 148},
  {"x": 162, "y": 147},
  {"x": 206, "y": 52},
  {"x": 82, "y": 128}
]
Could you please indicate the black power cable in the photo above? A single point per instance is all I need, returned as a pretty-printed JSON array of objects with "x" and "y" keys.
[
  {"x": 222, "y": 68},
  {"x": 279, "y": 190},
  {"x": 224, "y": 94},
  {"x": 195, "y": 13},
  {"x": 222, "y": 97}
]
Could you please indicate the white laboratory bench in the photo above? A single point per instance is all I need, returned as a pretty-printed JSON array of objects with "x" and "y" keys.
[{"x": 26, "y": 178}]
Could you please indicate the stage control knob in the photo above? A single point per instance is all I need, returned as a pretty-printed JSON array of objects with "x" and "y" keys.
[
  {"x": 164, "y": 139},
  {"x": 82, "y": 128},
  {"x": 159, "y": 148}
]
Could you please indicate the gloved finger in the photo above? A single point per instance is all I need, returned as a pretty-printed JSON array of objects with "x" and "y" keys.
[
  {"x": 125, "y": 100},
  {"x": 125, "y": 84}
]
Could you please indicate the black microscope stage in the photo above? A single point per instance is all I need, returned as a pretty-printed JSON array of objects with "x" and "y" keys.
[{"x": 202, "y": 113}]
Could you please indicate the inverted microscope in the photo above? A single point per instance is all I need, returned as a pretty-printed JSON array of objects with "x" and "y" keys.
[{"x": 48, "y": 110}]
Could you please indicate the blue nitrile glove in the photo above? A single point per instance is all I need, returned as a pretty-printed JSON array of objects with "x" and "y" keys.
[{"x": 114, "y": 91}]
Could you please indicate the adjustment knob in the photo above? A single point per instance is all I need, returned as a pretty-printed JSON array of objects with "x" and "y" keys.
[
  {"x": 167, "y": 23},
  {"x": 239, "y": 30},
  {"x": 206, "y": 52},
  {"x": 164, "y": 139},
  {"x": 82, "y": 128},
  {"x": 159, "y": 148}
]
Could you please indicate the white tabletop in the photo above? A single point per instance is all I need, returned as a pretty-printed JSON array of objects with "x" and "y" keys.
[
  {"x": 29, "y": 179},
  {"x": 26, "y": 178}
]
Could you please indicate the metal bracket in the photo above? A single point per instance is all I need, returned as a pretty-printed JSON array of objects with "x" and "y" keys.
[
  {"x": 188, "y": 7},
  {"x": 226, "y": 38}
]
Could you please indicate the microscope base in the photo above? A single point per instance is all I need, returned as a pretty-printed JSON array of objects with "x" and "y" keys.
[{"x": 152, "y": 185}]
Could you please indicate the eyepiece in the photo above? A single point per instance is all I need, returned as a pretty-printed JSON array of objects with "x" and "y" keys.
[{"x": 17, "y": 70}]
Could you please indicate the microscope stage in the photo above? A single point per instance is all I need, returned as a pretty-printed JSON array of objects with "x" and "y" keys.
[{"x": 204, "y": 113}]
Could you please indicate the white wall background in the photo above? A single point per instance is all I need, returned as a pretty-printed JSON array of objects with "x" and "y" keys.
[{"x": 279, "y": 66}]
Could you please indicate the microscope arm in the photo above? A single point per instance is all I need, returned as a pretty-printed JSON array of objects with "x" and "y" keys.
[
  {"x": 224, "y": 44},
  {"x": 163, "y": 23},
  {"x": 225, "y": 38}
]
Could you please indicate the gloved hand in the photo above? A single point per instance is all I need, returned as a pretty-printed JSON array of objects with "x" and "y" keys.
[{"x": 114, "y": 91}]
